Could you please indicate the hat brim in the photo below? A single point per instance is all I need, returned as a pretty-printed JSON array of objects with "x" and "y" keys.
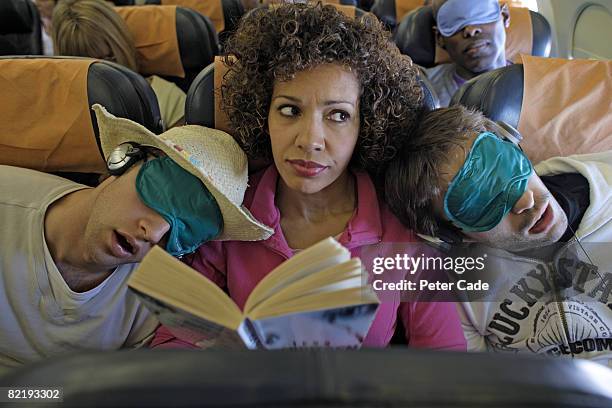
[{"x": 238, "y": 223}]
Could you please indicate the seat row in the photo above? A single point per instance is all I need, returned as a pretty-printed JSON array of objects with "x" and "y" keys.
[
  {"x": 555, "y": 103},
  {"x": 185, "y": 40}
]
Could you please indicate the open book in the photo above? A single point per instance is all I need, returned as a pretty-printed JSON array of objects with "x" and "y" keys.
[{"x": 318, "y": 298}]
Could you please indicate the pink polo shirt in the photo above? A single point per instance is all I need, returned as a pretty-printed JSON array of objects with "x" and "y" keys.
[{"x": 237, "y": 266}]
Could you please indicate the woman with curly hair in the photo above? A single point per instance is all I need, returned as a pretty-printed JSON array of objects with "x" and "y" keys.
[{"x": 328, "y": 99}]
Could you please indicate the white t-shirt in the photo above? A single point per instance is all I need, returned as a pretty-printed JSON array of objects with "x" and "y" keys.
[{"x": 40, "y": 315}]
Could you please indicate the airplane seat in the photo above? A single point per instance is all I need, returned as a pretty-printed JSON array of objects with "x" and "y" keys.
[
  {"x": 203, "y": 98},
  {"x": 309, "y": 378},
  {"x": 48, "y": 124},
  {"x": 529, "y": 33},
  {"x": 224, "y": 14},
  {"x": 233, "y": 10},
  {"x": 17, "y": 16},
  {"x": 556, "y": 104},
  {"x": 542, "y": 35},
  {"x": 183, "y": 42},
  {"x": 498, "y": 94},
  {"x": 391, "y": 12},
  {"x": 203, "y": 104},
  {"x": 414, "y": 36},
  {"x": 430, "y": 98},
  {"x": 20, "y": 30}
]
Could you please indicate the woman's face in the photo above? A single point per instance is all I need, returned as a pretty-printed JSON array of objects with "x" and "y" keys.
[{"x": 314, "y": 126}]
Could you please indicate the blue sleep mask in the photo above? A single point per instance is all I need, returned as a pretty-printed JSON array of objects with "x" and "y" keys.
[
  {"x": 456, "y": 14},
  {"x": 183, "y": 201},
  {"x": 493, "y": 177}
]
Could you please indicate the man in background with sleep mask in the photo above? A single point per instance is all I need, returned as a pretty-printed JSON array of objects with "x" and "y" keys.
[
  {"x": 473, "y": 33},
  {"x": 546, "y": 232},
  {"x": 68, "y": 250}
]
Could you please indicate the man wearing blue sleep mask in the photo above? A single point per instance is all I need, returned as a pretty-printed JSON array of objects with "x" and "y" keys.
[
  {"x": 494, "y": 197},
  {"x": 544, "y": 237},
  {"x": 473, "y": 34},
  {"x": 492, "y": 179},
  {"x": 463, "y": 177}
]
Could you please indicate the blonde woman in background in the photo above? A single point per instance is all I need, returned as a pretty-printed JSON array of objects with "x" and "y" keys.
[{"x": 92, "y": 28}]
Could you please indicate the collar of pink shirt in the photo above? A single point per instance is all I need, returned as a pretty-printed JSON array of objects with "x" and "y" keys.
[{"x": 364, "y": 228}]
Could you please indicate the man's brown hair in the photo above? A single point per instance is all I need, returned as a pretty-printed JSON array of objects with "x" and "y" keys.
[{"x": 413, "y": 178}]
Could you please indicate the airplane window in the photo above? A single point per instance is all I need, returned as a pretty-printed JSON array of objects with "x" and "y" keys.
[{"x": 592, "y": 34}]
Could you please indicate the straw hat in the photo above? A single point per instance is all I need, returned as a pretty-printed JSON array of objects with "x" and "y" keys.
[{"x": 211, "y": 155}]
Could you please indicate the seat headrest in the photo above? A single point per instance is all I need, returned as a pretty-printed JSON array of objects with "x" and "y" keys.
[
  {"x": 319, "y": 377},
  {"x": 20, "y": 28},
  {"x": 542, "y": 37},
  {"x": 183, "y": 43},
  {"x": 203, "y": 98},
  {"x": 47, "y": 121},
  {"x": 391, "y": 12},
  {"x": 233, "y": 11},
  {"x": 498, "y": 94},
  {"x": 414, "y": 36},
  {"x": 17, "y": 17},
  {"x": 157, "y": 50},
  {"x": 198, "y": 44},
  {"x": 430, "y": 99},
  {"x": 213, "y": 9},
  {"x": 529, "y": 33},
  {"x": 556, "y": 104},
  {"x": 203, "y": 104}
]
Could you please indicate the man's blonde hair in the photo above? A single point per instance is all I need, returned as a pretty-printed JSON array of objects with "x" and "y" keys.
[{"x": 92, "y": 28}]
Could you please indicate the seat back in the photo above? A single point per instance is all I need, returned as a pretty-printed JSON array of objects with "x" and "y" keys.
[
  {"x": 391, "y": 12},
  {"x": 20, "y": 29},
  {"x": 48, "y": 124},
  {"x": 233, "y": 10},
  {"x": 203, "y": 106},
  {"x": 17, "y": 16},
  {"x": 529, "y": 33},
  {"x": 223, "y": 14},
  {"x": 561, "y": 107},
  {"x": 213, "y": 9},
  {"x": 182, "y": 44},
  {"x": 319, "y": 378}
]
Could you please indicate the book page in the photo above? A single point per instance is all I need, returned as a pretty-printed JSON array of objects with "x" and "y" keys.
[
  {"x": 334, "y": 278},
  {"x": 169, "y": 280},
  {"x": 321, "y": 255},
  {"x": 318, "y": 301},
  {"x": 344, "y": 327}
]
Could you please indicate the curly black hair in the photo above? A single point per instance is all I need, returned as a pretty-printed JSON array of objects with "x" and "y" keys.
[{"x": 276, "y": 43}]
